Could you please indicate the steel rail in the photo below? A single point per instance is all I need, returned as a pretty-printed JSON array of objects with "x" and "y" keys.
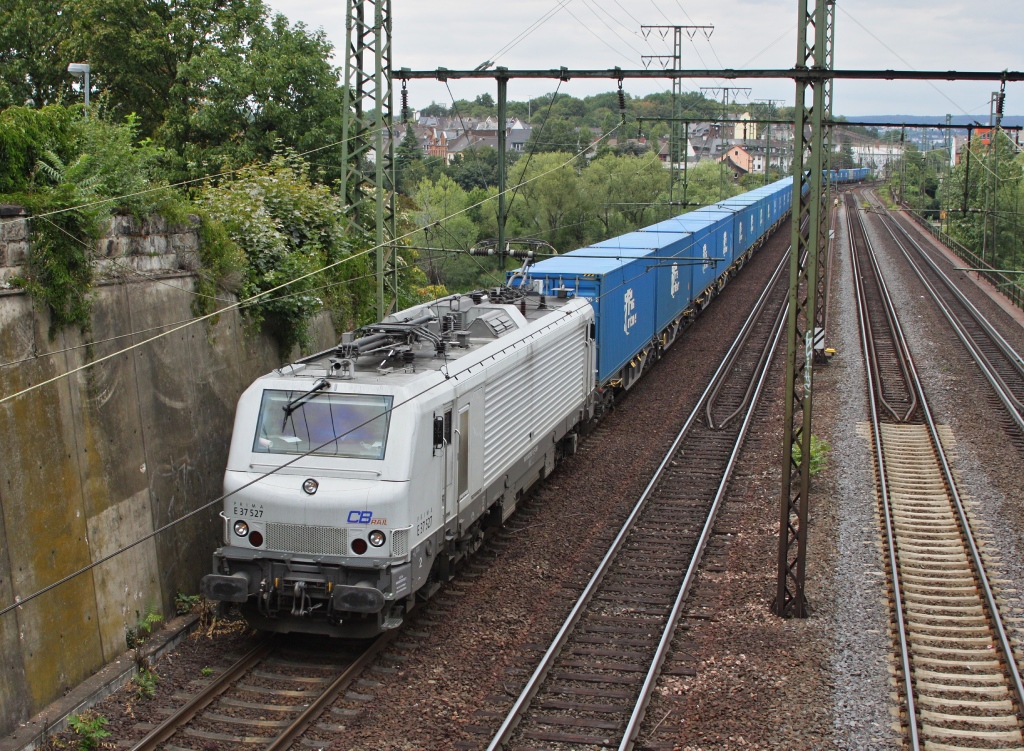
[
  {"x": 640, "y": 708},
  {"x": 1006, "y": 396},
  {"x": 204, "y": 698},
  {"x": 890, "y": 533},
  {"x": 829, "y": 264},
  {"x": 1007, "y": 349},
  {"x": 533, "y": 684},
  {"x": 745, "y": 333},
  {"x": 965, "y": 527},
  {"x": 890, "y": 317},
  {"x": 290, "y": 734}
]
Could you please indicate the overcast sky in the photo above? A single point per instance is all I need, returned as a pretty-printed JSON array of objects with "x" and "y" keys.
[{"x": 926, "y": 34}]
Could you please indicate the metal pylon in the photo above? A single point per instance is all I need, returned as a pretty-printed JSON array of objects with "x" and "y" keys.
[
  {"x": 813, "y": 52},
  {"x": 679, "y": 131},
  {"x": 821, "y": 301},
  {"x": 368, "y": 148}
]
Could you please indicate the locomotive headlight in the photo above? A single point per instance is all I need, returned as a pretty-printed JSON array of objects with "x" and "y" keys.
[
  {"x": 310, "y": 486},
  {"x": 241, "y": 528},
  {"x": 376, "y": 538}
]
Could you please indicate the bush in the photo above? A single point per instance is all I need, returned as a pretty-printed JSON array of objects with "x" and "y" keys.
[
  {"x": 89, "y": 729},
  {"x": 287, "y": 227},
  {"x": 51, "y": 161},
  {"x": 819, "y": 451}
]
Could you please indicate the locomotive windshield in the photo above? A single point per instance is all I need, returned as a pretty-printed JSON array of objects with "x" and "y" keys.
[{"x": 344, "y": 425}]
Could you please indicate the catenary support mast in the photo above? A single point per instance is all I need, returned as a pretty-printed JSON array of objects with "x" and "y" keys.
[
  {"x": 809, "y": 204},
  {"x": 679, "y": 131},
  {"x": 368, "y": 148},
  {"x": 821, "y": 299}
]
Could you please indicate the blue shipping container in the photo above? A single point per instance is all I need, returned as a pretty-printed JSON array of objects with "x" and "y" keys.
[{"x": 623, "y": 295}]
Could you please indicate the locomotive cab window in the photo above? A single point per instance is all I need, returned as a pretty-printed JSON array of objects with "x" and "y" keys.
[{"x": 343, "y": 425}]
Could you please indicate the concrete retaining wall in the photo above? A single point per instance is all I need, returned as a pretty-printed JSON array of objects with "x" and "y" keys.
[{"x": 103, "y": 457}]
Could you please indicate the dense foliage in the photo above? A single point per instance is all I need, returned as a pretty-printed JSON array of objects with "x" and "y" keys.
[
  {"x": 215, "y": 82},
  {"x": 566, "y": 203},
  {"x": 60, "y": 167},
  {"x": 981, "y": 211}
]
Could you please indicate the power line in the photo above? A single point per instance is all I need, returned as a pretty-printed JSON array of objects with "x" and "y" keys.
[
  {"x": 529, "y": 30},
  {"x": 596, "y": 35},
  {"x": 608, "y": 26},
  {"x": 139, "y": 332},
  {"x": 899, "y": 57},
  {"x": 778, "y": 39}
]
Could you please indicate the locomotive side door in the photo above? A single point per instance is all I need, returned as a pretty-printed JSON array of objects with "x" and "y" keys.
[
  {"x": 449, "y": 503},
  {"x": 469, "y": 448}
]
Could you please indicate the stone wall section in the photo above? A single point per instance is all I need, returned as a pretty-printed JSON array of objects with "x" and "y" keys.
[
  {"x": 103, "y": 457},
  {"x": 127, "y": 247}
]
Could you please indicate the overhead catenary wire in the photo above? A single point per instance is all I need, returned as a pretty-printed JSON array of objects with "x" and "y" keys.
[
  {"x": 139, "y": 332},
  {"x": 341, "y": 282},
  {"x": 529, "y": 30},
  {"x": 543, "y": 125},
  {"x": 257, "y": 297}
]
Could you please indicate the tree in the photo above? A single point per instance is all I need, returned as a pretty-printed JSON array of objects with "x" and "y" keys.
[
  {"x": 408, "y": 161},
  {"x": 444, "y": 224},
  {"x": 33, "y": 67},
  {"x": 844, "y": 159},
  {"x": 555, "y": 134},
  {"x": 549, "y": 203},
  {"x": 435, "y": 110},
  {"x": 621, "y": 190},
  {"x": 485, "y": 100},
  {"x": 215, "y": 81},
  {"x": 476, "y": 167},
  {"x": 232, "y": 104},
  {"x": 288, "y": 227},
  {"x": 705, "y": 185}
]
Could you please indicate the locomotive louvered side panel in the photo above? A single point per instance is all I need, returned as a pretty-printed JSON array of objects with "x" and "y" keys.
[
  {"x": 399, "y": 542},
  {"x": 531, "y": 397}
]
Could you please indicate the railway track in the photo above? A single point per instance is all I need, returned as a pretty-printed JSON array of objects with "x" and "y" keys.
[
  {"x": 999, "y": 363},
  {"x": 960, "y": 681},
  {"x": 592, "y": 686},
  {"x": 268, "y": 698}
]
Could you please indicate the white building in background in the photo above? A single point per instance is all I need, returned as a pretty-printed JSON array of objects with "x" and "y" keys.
[{"x": 875, "y": 155}]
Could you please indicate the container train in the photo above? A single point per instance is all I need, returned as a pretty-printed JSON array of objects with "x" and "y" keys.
[{"x": 392, "y": 454}]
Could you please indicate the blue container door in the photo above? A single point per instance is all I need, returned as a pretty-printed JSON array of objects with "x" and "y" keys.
[
  {"x": 626, "y": 316},
  {"x": 705, "y": 246},
  {"x": 675, "y": 283}
]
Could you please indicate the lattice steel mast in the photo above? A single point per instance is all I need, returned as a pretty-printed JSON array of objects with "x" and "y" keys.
[
  {"x": 679, "y": 130},
  {"x": 821, "y": 300},
  {"x": 813, "y": 53},
  {"x": 368, "y": 129}
]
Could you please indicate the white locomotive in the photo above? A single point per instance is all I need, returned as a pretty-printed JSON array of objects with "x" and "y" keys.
[{"x": 394, "y": 452}]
